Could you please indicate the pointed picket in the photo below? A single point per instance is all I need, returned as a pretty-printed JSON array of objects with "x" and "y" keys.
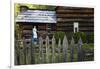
[
  {"x": 53, "y": 49},
  {"x": 72, "y": 44},
  {"x": 59, "y": 47},
  {"x": 41, "y": 56},
  {"x": 65, "y": 49},
  {"x": 79, "y": 50},
  {"x": 47, "y": 49}
]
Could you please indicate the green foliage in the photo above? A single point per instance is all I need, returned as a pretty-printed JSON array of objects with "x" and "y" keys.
[
  {"x": 58, "y": 35},
  {"x": 83, "y": 36},
  {"x": 34, "y": 6},
  {"x": 91, "y": 37},
  {"x": 18, "y": 31},
  {"x": 89, "y": 46},
  {"x": 69, "y": 36},
  {"x": 77, "y": 35},
  {"x": 88, "y": 49},
  {"x": 46, "y": 7}
]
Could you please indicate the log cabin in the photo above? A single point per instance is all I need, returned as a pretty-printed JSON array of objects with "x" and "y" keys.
[
  {"x": 75, "y": 19},
  {"x": 63, "y": 18}
]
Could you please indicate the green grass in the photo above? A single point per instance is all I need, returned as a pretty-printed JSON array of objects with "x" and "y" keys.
[{"x": 88, "y": 46}]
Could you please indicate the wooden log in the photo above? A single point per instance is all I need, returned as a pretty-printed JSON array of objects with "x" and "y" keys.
[
  {"x": 75, "y": 11},
  {"x": 75, "y": 15},
  {"x": 77, "y": 19}
]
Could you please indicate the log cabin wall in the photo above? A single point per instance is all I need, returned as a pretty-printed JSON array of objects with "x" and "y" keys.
[
  {"x": 27, "y": 28},
  {"x": 42, "y": 28},
  {"x": 66, "y": 16}
]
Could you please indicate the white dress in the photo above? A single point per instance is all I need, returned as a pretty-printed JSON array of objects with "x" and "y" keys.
[{"x": 34, "y": 33}]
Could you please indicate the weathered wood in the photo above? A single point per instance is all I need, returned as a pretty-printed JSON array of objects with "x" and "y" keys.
[
  {"x": 65, "y": 49},
  {"x": 21, "y": 54},
  {"x": 47, "y": 49},
  {"x": 72, "y": 44},
  {"x": 26, "y": 53},
  {"x": 53, "y": 49},
  {"x": 16, "y": 52},
  {"x": 32, "y": 52},
  {"x": 74, "y": 15},
  {"x": 68, "y": 16},
  {"x": 27, "y": 45},
  {"x": 59, "y": 47},
  {"x": 41, "y": 50},
  {"x": 79, "y": 50},
  {"x": 75, "y": 11},
  {"x": 77, "y": 19}
]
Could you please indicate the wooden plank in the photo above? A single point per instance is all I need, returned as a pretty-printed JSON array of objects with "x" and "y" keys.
[
  {"x": 59, "y": 50},
  {"x": 41, "y": 50},
  {"x": 21, "y": 53},
  {"x": 47, "y": 49},
  {"x": 27, "y": 45},
  {"x": 79, "y": 50},
  {"x": 53, "y": 49},
  {"x": 32, "y": 53},
  {"x": 65, "y": 49},
  {"x": 72, "y": 44},
  {"x": 16, "y": 52}
]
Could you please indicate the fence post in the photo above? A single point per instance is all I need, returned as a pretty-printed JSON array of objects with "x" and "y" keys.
[
  {"x": 21, "y": 53},
  {"x": 27, "y": 44},
  {"x": 47, "y": 49},
  {"x": 72, "y": 44},
  {"x": 59, "y": 47},
  {"x": 16, "y": 52},
  {"x": 41, "y": 50},
  {"x": 79, "y": 50},
  {"x": 65, "y": 49},
  {"x": 53, "y": 49},
  {"x": 32, "y": 52}
]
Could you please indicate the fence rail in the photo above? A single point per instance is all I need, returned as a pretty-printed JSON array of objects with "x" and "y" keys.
[{"x": 28, "y": 53}]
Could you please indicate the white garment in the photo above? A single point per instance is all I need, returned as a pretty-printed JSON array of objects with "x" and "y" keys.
[{"x": 34, "y": 33}]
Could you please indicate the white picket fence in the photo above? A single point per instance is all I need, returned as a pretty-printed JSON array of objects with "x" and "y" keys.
[{"x": 45, "y": 52}]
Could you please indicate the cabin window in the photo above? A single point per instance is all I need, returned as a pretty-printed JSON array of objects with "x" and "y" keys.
[{"x": 76, "y": 27}]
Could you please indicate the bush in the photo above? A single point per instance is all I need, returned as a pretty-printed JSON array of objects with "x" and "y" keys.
[
  {"x": 83, "y": 36},
  {"x": 69, "y": 36},
  {"x": 91, "y": 37},
  {"x": 77, "y": 35},
  {"x": 58, "y": 35}
]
